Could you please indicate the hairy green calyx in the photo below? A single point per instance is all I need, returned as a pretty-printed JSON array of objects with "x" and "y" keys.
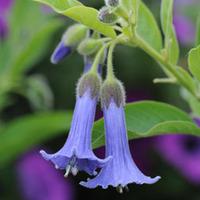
[
  {"x": 89, "y": 81},
  {"x": 112, "y": 90}
]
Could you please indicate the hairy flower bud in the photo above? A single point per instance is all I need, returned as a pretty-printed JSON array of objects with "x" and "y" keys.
[
  {"x": 71, "y": 38},
  {"x": 112, "y": 90},
  {"x": 74, "y": 35},
  {"x": 89, "y": 81},
  {"x": 112, "y": 3},
  {"x": 89, "y": 46},
  {"x": 107, "y": 16}
]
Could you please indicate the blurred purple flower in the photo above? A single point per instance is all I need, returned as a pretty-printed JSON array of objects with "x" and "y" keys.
[
  {"x": 183, "y": 152},
  {"x": 185, "y": 29},
  {"x": 184, "y": 2},
  {"x": 3, "y": 28},
  {"x": 39, "y": 181},
  {"x": 5, "y": 5},
  {"x": 121, "y": 169}
]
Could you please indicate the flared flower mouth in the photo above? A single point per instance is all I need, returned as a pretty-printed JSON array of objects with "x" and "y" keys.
[
  {"x": 120, "y": 186},
  {"x": 74, "y": 162}
]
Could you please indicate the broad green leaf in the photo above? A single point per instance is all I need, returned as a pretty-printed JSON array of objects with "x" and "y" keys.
[
  {"x": 28, "y": 131},
  {"x": 149, "y": 118},
  {"x": 89, "y": 17},
  {"x": 60, "y": 5},
  {"x": 194, "y": 62},
  {"x": 171, "y": 43},
  {"x": 83, "y": 14},
  {"x": 147, "y": 27}
]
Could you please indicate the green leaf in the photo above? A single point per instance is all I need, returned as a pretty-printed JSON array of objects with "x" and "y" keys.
[
  {"x": 149, "y": 118},
  {"x": 60, "y": 5},
  {"x": 26, "y": 132},
  {"x": 85, "y": 15},
  {"x": 171, "y": 43},
  {"x": 194, "y": 62},
  {"x": 147, "y": 27},
  {"x": 89, "y": 17}
]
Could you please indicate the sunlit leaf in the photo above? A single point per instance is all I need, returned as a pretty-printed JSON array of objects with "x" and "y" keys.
[
  {"x": 60, "y": 5},
  {"x": 83, "y": 14}
]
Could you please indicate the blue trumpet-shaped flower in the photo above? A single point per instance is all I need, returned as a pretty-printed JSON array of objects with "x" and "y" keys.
[
  {"x": 77, "y": 152},
  {"x": 121, "y": 169}
]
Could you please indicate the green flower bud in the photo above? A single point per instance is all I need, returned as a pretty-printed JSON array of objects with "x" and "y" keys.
[
  {"x": 89, "y": 46},
  {"x": 89, "y": 81},
  {"x": 112, "y": 3},
  {"x": 74, "y": 35},
  {"x": 112, "y": 90},
  {"x": 107, "y": 16}
]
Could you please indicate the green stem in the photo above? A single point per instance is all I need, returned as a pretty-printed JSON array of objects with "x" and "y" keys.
[
  {"x": 104, "y": 39},
  {"x": 110, "y": 74},
  {"x": 98, "y": 57},
  {"x": 136, "y": 40}
]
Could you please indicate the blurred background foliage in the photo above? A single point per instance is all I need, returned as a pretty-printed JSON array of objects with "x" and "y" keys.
[{"x": 37, "y": 99}]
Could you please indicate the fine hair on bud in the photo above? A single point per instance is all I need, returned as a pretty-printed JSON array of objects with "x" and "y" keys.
[
  {"x": 112, "y": 3},
  {"x": 113, "y": 91},
  {"x": 107, "y": 16},
  {"x": 89, "y": 81},
  {"x": 75, "y": 34}
]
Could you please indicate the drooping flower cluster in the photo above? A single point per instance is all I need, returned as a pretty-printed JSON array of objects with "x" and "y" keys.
[
  {"x": 121, "y": 169},
  {"x": 118, "y": 168}
]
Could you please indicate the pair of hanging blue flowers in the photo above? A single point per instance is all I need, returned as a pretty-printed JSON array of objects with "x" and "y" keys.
[{"x": 117, "y": 169}]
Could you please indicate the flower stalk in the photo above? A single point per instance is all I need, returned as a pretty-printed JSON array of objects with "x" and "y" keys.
[{"x": 164, "y": 63}]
